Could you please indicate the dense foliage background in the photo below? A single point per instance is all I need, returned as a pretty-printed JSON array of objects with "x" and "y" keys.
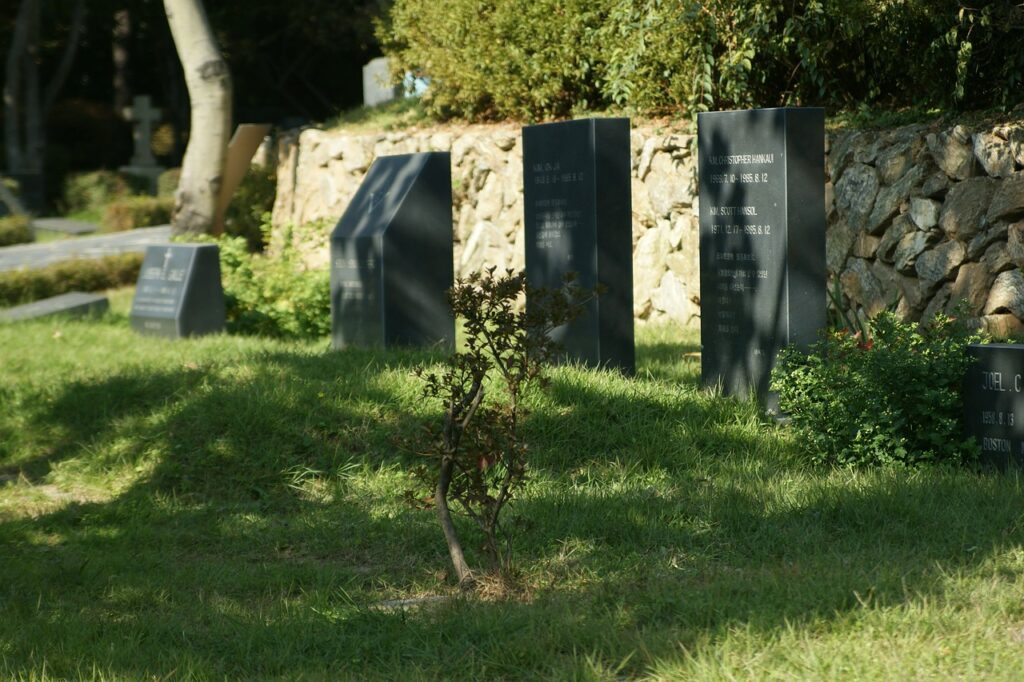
[{"x": 548, "y": 58}]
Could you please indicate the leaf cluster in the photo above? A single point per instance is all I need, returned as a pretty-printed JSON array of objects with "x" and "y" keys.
[
  {"x": 553, "y": 58},
  {"x": 894, "y": 396},
  {"x": 272, "y": 295}
]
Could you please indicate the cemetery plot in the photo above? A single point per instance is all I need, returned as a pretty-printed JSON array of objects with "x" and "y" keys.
[
  {"x": 994, "y": 402},
  {"x": 391, "y": 256},
  {"x": 179, "y": 292},
  {"x": 762, "y": 242},
  {"x": 578, "y": 218}
]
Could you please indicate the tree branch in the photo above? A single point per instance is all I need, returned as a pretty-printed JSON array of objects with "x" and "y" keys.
[{"x": 67, "y": 58}]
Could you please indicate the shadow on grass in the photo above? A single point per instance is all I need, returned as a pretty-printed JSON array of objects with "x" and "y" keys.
[{"x": 212, "y": 566}]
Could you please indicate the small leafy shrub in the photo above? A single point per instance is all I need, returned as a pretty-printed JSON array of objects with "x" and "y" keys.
[
  {"x": 250, "y": 207},
  {"x": 273, "y": 296},
  {"x": 79, "y": 274},
  {"x": 167, "y": 182},
  {"x": 479, "y": 459},
  {"x": 500, "y": 59},
  {"x": 133, "y": 212},
  {"x": 15, "y": 229},
  {"x": 91, "y": 192},
  {"x": 895, "y": 398}
]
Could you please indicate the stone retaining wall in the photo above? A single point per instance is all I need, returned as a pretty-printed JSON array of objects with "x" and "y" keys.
[
  {"x": 319, "y": 172},
  {"x": 919, "y": 217},
  {"x": 922, "y": 220}
]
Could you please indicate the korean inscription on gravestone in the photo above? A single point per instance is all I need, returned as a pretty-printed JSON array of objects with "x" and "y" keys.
[
  {"x": 762, "y": 242},
  {"x": 179, "y": 291},
  {"x": 578, "y": 218},
  {"x": 391, "y": 256}
]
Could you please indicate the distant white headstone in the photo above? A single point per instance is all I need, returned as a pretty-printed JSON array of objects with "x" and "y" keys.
[{"x": 377, "y": 87}]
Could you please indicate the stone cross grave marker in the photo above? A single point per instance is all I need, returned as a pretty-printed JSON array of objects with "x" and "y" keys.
[
  {"x": 377, "y": 87},
  {"x": 391, "y": 256},
  {"x": 179, "y": 292},
  {"x": 142, "y": 115},
  {"x": 71, "y": 304},
  {"x": 994, "y": 402},
  {"x": 143, "y": 164},
  {"x": 762, "y": 242},
  {"x": 578, "y": 218}
]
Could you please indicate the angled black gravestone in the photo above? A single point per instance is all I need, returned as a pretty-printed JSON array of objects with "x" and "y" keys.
[
  {"x": 71, "y": 304},
  {"x": 578, "y": 218},
  {"x": 762, "y": 242},
  {"x": 179, "y": 293},
  {"x": 391, "y": 256},
  {"x": 994, "y": 402}
]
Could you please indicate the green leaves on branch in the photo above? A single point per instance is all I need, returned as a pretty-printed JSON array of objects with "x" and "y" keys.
[
  {"x": 893, "y": 396},
  {"x": 478, "y": 457},
  {"x": 553, "y": 58}
]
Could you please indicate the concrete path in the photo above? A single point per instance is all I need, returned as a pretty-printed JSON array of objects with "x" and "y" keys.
[{"x": 40, "y": 255}]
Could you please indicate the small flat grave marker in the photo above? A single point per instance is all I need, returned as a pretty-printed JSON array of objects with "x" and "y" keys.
[
  {"x": 578, "y": 218},
  {"x": 994, "y": 402},
  {"x": 71, "y": 304},
  {"x": 391, "y": 256},
  {"x": 179, "y": 292},
  {"x": 63, "y": 226},
  {"x": 762, "y": 242}
]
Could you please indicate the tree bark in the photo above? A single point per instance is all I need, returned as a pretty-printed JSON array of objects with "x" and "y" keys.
[
  {"x": 119, "y": 55},
  {"x": 444, "y": 516},
  {"x": 209, "y": 87},
  {"x": 13, "y": 98}
]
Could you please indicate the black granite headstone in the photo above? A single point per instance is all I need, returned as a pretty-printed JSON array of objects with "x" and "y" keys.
[
  {"x": 762, "y": 242},
  {"x": 179, "y": 293},
  {"x": 391, "y": 256},
  {"x": 578, "y": 218},
  {"x": 71, "y": 304},
  {"x": 994, "y": 402}
]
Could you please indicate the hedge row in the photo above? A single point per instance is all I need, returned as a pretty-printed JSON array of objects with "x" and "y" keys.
[
  {"x": 133, "y": 212},
  {"x": 80, "y": 274},
  {"x": 553, "y": 58},
  {"x": 15, "y": 229}
]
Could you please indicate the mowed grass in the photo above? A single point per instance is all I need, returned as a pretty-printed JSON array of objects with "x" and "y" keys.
[{"x": 232, "y": 508}]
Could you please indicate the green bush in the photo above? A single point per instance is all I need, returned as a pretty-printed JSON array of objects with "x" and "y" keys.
[
  {"x": 505, "y": 58},
  {"x": 273, "y": 296},
  {"x": 167, "y": 183},
  {"x": 251, "y": 206},
  {"x": 502, "y": 58},
  {"x": 91, "y": 192},
  {"x": 80, "y": 274},
  {"x": 133, "y": 212},
  {"x": 15, "y": 229},
  {"x": 895, "y": 398}
]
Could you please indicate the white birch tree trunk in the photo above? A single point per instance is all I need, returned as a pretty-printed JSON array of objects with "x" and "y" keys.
[{"x": 209, "y": 90}]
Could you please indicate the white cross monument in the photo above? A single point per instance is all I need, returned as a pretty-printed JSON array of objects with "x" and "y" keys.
[{"x": 143, "y": 115}]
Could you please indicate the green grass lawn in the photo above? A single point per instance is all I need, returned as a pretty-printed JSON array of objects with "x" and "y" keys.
[{"x": 232, "y": 508}]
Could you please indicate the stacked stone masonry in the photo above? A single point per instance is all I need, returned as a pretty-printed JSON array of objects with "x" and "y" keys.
[{"x": 919, "y": 218}]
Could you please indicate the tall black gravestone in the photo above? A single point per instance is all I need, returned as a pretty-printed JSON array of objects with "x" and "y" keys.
[
  {"x": 391, "y": 256},
  {"x": 179, "y": 293},
  {"x": 578, "y": 218},
  {"x": 994, "y": 402},
  {"x": 762, "y": 242}
]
